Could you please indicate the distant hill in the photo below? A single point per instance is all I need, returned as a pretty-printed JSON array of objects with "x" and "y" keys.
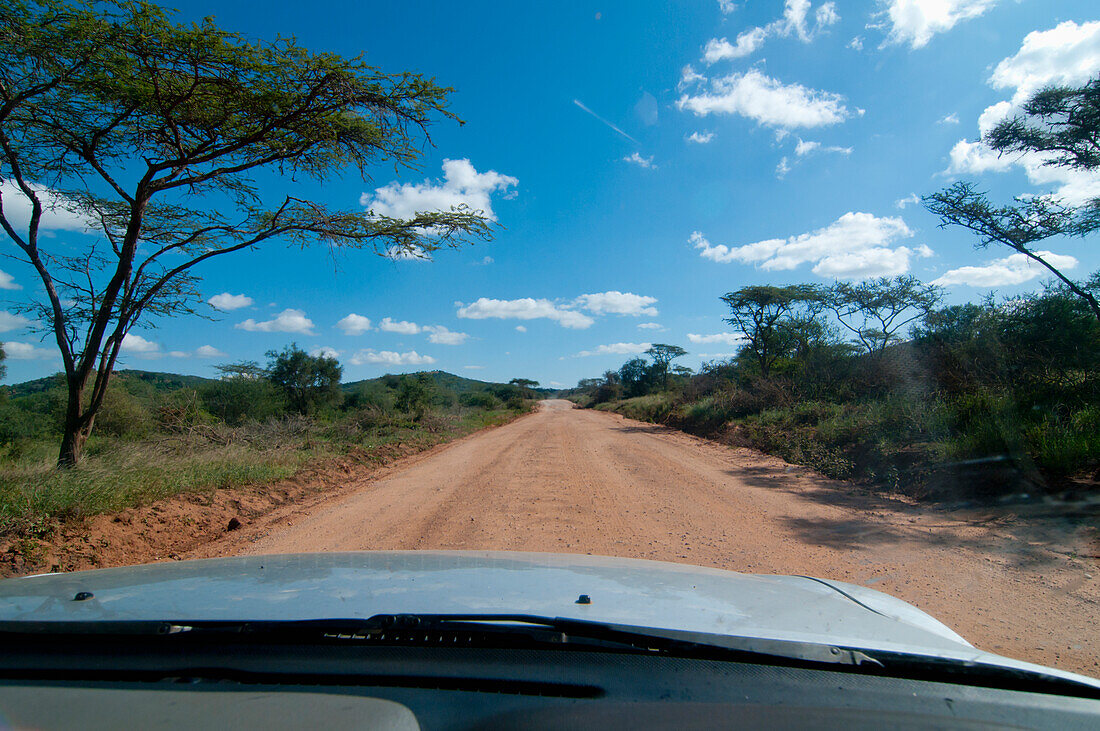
[
  {"x": 158, "y": 381},
  {"x": 443, "y": 379}
]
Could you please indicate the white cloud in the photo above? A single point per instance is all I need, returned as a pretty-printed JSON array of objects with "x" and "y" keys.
[
  {"x": 524, "y": 308},
  {"x": 1068, "y": 54},
  {"x": 521, "y": 329},
  {"x": 727, "y": 6},
  {"x": 916, "y": 21},
  {"x": 139, "y": 346},
  {"x": 616, "y": 349},
  {"x": 700, "y": 138},
  {"x": 650, "y": 326},
  {"x": 26, "y": 351},
  {"x": 389, "y": 357},
  {"x": 325, "y": 351},
  {"x": 178, "y": 354},
  {"x": 7, "y": 281},
  {"x": 55, "y": 217},
  {"x": 618, "y": 303},
  {"x": 462, "y": 185},
  {"x": 747, "y": 43},
  {"x": 403, "y": 327},
  {"x": 486, "y": 261},
  {"x": 12, "y": 321},
  {"x": 208, "y": 351},
  {"x": 636, "y": 159},
  {"x": 909, "y": 200},
  {"x": 856, "y": 44},
  {"x": 782, "y": 168},
  {"x": 689, "y": 77},
  {"x": 726, "y": 338},
  {"x": 287, "y": 321},
  {"x": 804, "y": 148},
  {"x": 949, "y": 119},
  {"x": 226, "y": 301},
  {"x": 855, "y": 246},
  {"x": 1012, "y": 269},
  {"x": 767, "y": 101},
  {"x": 354, "y": 324},
  {"x": 443, "y": 336}
]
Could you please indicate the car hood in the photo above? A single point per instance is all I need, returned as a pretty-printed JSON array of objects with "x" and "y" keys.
[{"x": 621, "y": 591}]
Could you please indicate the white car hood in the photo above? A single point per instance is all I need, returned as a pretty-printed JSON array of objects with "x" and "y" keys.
[{"x": 621, "y": 591}]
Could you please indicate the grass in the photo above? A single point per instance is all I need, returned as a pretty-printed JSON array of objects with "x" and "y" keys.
[{"x": 120, "y": 473}]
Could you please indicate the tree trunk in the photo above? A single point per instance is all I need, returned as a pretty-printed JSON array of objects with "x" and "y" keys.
[{"x": 77, "y": 427}]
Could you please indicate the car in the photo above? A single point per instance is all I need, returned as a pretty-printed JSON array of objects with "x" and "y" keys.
[{"x": 463, "y": 639}]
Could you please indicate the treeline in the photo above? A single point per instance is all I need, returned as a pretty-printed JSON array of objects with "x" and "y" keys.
[
  {"x": 877, "y": 381},
  {"x": 293, "y": 383}
]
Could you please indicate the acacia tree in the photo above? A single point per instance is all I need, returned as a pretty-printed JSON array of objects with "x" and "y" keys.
[
  {"x": 662, "y": 355},
  {"x": 153, "y": 134},
  {"x": 307, "y": 381},
  {"x": 1062, "y": 125},
  {"x": 525, "y": 385},
  {"x": 762, "y": 313},
  {"x": 876, "y": 310}
]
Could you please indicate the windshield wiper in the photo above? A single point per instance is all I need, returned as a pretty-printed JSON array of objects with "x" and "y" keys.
[{"x": 535, "y": 631}]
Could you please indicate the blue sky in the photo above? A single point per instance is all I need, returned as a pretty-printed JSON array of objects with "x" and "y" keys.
[{"x": 643, "y": 159}]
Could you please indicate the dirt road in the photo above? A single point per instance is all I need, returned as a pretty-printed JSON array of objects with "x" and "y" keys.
[{"x": 572, "y": 481}]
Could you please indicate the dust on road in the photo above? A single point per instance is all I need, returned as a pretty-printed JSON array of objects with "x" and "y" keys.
[{"x": 580, "y": 481}]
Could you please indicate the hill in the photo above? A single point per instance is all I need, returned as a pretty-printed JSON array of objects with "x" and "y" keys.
[{"x": 156, "y": 380}]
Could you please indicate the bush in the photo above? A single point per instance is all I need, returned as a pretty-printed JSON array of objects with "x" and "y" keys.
[
  {"x": 236, "y": 400},
  {"x": 479, "y": 400}
]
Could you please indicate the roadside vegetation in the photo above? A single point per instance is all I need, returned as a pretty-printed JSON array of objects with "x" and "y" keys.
[
  {"x": 966, "y": 402},
  {"x": 158, "y": 435}
]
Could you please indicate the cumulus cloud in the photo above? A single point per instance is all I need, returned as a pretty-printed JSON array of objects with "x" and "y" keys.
[
  {"x": 616, "y": 349},
  {"x": 914, "y": 22},
  {"x": 948, "y": 119},
  {"x": 389, "y": 357},
  {"x": 56, "y": 214},
  {"x": 404, "y": 327},
  {"x": 700, "y": 138},
  {"x": 1068, "y": 54},
  {"x": 650, "y": 326},
  {"x": 26, "y": 351},
  {"x": 325, "y": 351},
  {"x": 726, "y": 338},
  {"x": 462, "y": 185},
  {"x": 287, "y": 321},
  {"x": 747, "y": 43},
  {"x": 138, "y": 345},
  {"x": 642, "y": 162},
  {"x": 354, "y": 324},
  {"x": 767, "y": 101},
  {"x": 12, "y": 321},
  {"x": 208, "y": 351},
  {"x": 911, "y": 199},
  {"x": 855, "y": 246},
  {"x": 521, "y": 329},
  {"x": 226, "y": 301},
  {"x": 525, "y": 308},
  {"x": 443, "y": 336},
  {"x": 1012, "y": 269},
  {"x": 7, "y": 281},
  {"x": 618, "y": 303}
]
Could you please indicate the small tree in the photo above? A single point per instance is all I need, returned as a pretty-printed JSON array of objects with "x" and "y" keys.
[
  {"x": 877, "y": 310},
  {"x": 414, "y": 394},
  {"x": 525, "y": 385},
  {"x": 154, "y": 134},
  {"x": 636, "y": 377},
  {"x": 761, "y": 313},
  {"x": 662, "y": 355},
  {"x": 309, "y": 382}
]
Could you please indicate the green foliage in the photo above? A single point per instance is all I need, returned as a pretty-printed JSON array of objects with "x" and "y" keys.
[
  {"x": 236, "y": 400},
  {"x": 414, "y": 394},
  {"x": 308, "y": 382}
]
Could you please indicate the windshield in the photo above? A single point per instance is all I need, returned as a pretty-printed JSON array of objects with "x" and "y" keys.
[{"x": 793, "y": 289}]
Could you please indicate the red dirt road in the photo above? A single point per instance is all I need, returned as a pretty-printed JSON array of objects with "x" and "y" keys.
[{"x": 572, "y": 481}]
